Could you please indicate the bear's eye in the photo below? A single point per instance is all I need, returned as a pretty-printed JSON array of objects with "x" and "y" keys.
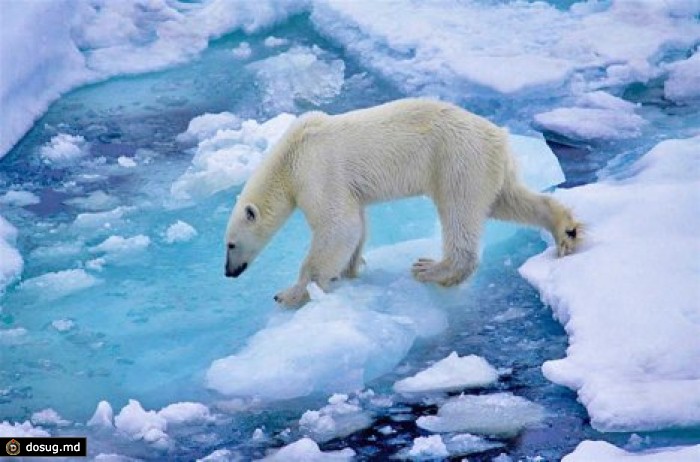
[{"x": 231, "y": 245}]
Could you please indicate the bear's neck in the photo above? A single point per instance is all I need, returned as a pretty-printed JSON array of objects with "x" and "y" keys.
[{"x": 276, "y": 201}]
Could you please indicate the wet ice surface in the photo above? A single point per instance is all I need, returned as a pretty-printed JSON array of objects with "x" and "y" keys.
[{"x": 123, "y": 298}]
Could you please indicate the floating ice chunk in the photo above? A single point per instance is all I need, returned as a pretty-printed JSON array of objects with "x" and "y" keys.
[
  {"x": 48, "y": 417},
  {"x": 299, "y": 74},
  {"x": 206, "y": 125},
  {"x": 180, "y": 232},
  {"x": 228, "y": 157},
  {"x": 499, "y": 414},
  {"x": 273, "y": 42},
  {"x": 338, "y": 419},
  {"x": 111, "y": 457},
  {"x": 683, "y": 82},
  {"x": 140, "y": 424},
  {"x": 428, "y": 447},
  {"x": 638, "y": 384},
  {"x": 20, "y": 430},
  {"x": 126, "y": 162},
  {"x": 185, "y": 412},
  {"x": 64, "y": 149},
  {"x": 103, "y": 416},
  {"x": 118, "y": 246},
  {"x": 220, "y": 455},
  {"x": 11, "y": 262},
  {"x": 19, "y": 198},
  {"x": 95, "y": 201},
  {"x": 306, "y": 450},
  {"x": 63, "y": 325},
  {"x": 591, "y": 124},
  {"x": 242, "y": 51},
  {"x": 601, "y": 451},
  {"x": 450, "y": 374},
  {"x": 51, "y": 286},
  {"x": 465, "y": 443},
  {"x": 101, "y": 219}
]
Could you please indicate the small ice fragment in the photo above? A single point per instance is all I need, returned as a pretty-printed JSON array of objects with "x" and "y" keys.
[
  {"x": 178, "y": 413},
  {"x": 103, "y": 416},
  {"x": 63, "y": 325},
  {"x": 19, "y": 198},
  {"x": 48, "y": 416},
  {"x": 126, "y": 162},
  {"x": 306, "y": 450},
  {"x": 95, "y": 201},
  {"x": 499, "y": 414},
  {"x": 20, "y": 430},
  {"x": 51, "y": 286},
  {"x": 64, "y": 149},
  {"x": 242, "y": 51},
  {"x": 428, "y": 447},
  {"x": 337, "y": 419},
  {"x": 450, "y": 374},
  {"x": 220, "y": 455},
  {"x": 139, "y": 424},
  {"x": 179, "y": 231},
  {"x": 272, "y": 42}
]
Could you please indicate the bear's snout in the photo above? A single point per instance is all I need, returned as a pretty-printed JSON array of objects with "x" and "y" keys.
[{"x": 235, "y": 272}]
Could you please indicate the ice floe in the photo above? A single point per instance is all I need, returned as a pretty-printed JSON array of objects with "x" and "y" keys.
[{"x": 452, "y": 373}]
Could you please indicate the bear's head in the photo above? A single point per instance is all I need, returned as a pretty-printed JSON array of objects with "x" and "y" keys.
[{"x": 245, "y": 238}]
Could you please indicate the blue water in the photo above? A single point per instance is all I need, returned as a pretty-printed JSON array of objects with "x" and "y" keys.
[{"x": 152, "y": 327}]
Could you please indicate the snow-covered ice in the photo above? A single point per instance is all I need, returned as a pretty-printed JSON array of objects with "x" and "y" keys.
[
  {"x": 452, "y": 373},
  {"x": 600, "y": 451},
  {"x": 683, "y": 82},
  {"x": 635, "y": 337},
  {"x": 64, "y": 149},
  {"x": 306, "y": 450},
  {"x": 428, "y": 447},
  {"x": 20, "y": 430},
  {"x": 498, "y": 414}
]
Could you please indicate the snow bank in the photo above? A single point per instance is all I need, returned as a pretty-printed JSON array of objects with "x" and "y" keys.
[
  {"x": 600, "y": 451},
  {"x": 629, "y": 299},
  {"x": 11, "y": 262},
  {"x": 228, "y": 157},
  {"x": 298, "y": 75},
  {"x": 499, "y": 414},
  {"x": 452, "y": 373},
  {"x": 443, "y": 47},
  {"x": 74, "y": 42},
  {"x": 52, "y": 286},
  {"x": 306, "y": 450},
  {"x": 340, "y": 418}
]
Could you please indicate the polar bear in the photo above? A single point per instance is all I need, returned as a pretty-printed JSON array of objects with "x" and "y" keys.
[{"x": 332, "y": 166}]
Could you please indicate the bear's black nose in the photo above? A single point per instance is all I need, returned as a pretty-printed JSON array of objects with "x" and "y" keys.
[{"x": 236, "y": 272}]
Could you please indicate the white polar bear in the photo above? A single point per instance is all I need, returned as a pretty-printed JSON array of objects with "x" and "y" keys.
[{"x": 331, "y": 167}]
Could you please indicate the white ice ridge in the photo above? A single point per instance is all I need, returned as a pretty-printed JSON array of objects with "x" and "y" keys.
[
  {"x": 630, "y": 298},
  {"x": 442, "y": 47},
  {"x": 600, "y": 451},
  {"x": 452, "y": 373},
  {"x": 49, "y": 48}
]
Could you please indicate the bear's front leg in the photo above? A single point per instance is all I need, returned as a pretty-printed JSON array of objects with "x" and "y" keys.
[{"x": 293, "y": 297}]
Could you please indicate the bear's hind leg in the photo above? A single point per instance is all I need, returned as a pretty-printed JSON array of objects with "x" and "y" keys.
[{"x": 461, "y": 229}]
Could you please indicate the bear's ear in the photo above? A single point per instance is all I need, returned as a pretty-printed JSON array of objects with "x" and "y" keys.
[{"x": 251, "y": 213}]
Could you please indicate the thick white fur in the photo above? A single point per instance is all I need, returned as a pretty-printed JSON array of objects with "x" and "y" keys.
[{"x": 331, "y": 167}]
